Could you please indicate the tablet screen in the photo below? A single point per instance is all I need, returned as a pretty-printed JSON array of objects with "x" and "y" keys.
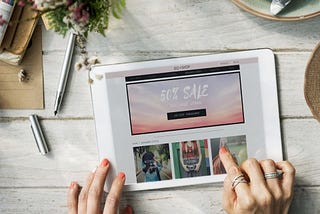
[{"x": 168, "y": 119}]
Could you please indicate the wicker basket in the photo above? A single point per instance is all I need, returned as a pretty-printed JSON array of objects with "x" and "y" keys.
[{"x": 312, "y": 83}]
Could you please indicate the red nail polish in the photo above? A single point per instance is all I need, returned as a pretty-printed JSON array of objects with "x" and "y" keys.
[
  {"x": 128, "y": 209},
  {"x": 104, "y": 162},
  {"x": 72, "y": 185},
  {"x": 121, "y": 175},
  {"x": 223, "y": 150}
]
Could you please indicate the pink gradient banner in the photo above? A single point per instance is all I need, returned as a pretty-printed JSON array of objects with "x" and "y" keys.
[{"x": 218, "y": 95}]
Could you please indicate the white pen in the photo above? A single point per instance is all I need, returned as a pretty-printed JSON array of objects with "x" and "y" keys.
[{"x": 65, "y": 72}]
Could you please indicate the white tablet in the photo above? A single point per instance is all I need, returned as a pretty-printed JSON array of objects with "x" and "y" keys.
[{"x": 162, "y": 122}]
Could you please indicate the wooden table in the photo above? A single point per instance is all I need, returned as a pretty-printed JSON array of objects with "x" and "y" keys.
[{"x": 31, "y": 183}]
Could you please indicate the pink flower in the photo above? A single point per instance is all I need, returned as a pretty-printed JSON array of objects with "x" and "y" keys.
[
  {"x": 21, "y": 3},
  {"x": 85, "y": 16},
  {"x": 80, "y": 15},
  {"x": 69, "y": 2}
]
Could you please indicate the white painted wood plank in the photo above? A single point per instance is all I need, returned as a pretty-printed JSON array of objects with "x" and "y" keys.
[
  {"x": 301, "y": 141},
  {"x": 290, "y": 76},
  {"x": 53, "y": 200},
  {"x": 204, "y": 199},
  {"x": 194, "y": 26},
  {"x": 74, "y": 153},
  {"x": 77, "y": 99}
]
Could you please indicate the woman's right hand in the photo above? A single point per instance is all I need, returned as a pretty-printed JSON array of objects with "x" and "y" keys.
[{"x": 255, "y": 186}]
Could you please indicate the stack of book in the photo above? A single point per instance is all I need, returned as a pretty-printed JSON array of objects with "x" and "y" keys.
[{"x": 18, "y": 34}]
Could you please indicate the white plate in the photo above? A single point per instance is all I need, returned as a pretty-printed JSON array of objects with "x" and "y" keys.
[{"x": 296, "y": 10}]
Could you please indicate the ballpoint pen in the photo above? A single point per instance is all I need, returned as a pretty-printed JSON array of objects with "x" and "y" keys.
[{"x": 65, "y": 72}]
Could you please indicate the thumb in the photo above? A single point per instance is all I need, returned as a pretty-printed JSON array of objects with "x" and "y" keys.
[{"x": 127, "y": 210}]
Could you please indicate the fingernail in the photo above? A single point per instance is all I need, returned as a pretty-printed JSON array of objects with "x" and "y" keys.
[
  {"x": 94, "y": 169},
  {"x": 121, "y": 175},
  {"x": 104, "y": 162},
  {"x": 72, "y": 185},
  {"x": 223, "y": 150},
  {"x": 128, "y": 209}
]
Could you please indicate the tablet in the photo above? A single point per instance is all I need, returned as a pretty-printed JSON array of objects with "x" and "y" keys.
[{"x": 162, "y": 122}]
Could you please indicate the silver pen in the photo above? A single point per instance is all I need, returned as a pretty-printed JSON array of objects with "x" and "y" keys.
[{"x": 65, "y": 71}]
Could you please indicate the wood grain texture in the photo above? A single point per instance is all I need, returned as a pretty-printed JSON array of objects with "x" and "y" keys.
[
  {"x": 74, "y": 153},
  {"x": 31, "y": 183},
  {"x": 204, "y": 199},
  {"x": 168, "y": 28},
  {"x": 184, "y": 25}
]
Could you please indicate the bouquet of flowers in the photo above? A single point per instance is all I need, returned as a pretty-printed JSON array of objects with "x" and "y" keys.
[{"x": 83, "y": 16}]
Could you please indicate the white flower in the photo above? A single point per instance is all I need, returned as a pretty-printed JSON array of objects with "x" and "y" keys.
[
  {"x": 78, "y": 66},
  {"x": 22, "y": 75},
  {"x": 48, "y": 4},
  {"x": 67, "y": 20},
  {"x": 93, "y": 60}
]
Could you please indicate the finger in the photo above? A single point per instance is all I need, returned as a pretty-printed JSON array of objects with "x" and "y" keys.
[
  {"x": 83, "y": 197},
  {"x": 226, "y": 158},
  {"x": 287, "y": 183},
  {"x": 242, "y": 190},
  {"x": 288, "y": 176},
  {"x": 127, "y": 210},
  {"x": 253, "y": 170},
  {"x": 269, "y": 166},
  {"x": 229, "y": 195},
  {"x": 73, "y": 198},
  {"x": 113, "y": 198},
  {"x": 96, "y": 188},
  {"x": 258, "y": 185}
]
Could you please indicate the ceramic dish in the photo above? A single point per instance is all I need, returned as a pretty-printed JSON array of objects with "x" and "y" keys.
[{"x": 296, "y": 10}]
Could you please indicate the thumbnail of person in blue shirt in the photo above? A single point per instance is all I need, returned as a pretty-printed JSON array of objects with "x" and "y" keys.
[{"x": 151, "y": 167}]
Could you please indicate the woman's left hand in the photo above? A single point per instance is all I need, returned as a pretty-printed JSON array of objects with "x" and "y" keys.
[{"x": 88, "y": 200}]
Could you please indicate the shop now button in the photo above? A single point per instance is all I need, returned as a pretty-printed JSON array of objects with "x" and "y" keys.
[{"x": 186, "y": 114}]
